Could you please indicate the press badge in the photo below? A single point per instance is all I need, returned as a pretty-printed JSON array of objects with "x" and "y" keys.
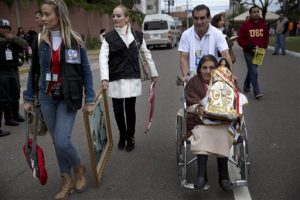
[
  {"x": 198, "y": 56},
  {"x": 51, "y": 77},
  {"x": 8, "y": 54},
  {"x": 73, "y": 56}
]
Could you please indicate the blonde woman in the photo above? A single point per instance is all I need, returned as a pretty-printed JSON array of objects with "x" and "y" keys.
[
  {"x": 64, "y": 71},
  {"x": 120, "y": 73}
]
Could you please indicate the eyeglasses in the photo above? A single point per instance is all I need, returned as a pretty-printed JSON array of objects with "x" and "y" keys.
[{"x": 202, "y": 18}]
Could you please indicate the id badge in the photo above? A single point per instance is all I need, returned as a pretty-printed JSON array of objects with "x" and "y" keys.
[
  {"x": 73, "y": 56},
  {"x": 8, "y": 54},
  {"x": 198, "y": 56},
  {"x": 51, "y": 77}
]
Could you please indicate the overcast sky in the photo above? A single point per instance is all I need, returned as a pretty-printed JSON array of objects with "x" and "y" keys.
[{"x": 216, "y": 6}]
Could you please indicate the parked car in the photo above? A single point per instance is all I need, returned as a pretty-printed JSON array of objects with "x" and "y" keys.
[{"x": 160, "y": 29}]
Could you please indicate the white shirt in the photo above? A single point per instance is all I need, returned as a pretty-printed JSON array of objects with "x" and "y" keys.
[
  {"x": 123, "y": 88},
  {"x": 212, "y": 42},
  {"x": 56, "y": 39}
]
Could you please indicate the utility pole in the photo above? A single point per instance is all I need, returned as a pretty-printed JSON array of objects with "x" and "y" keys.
[{"x": 187, "y": 13}]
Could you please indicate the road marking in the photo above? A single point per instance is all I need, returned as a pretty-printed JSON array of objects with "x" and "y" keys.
[{"x": 239, "y": 192}]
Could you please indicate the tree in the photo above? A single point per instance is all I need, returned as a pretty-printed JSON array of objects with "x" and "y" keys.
[
  {"x": 264, "y": 4},
  {"x": 290, "y": 8}
]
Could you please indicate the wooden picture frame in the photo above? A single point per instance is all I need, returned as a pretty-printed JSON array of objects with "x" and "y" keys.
[{"x": 99, "y": 135}]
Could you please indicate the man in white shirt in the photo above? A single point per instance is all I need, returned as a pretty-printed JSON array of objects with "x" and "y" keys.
[{"x": 200, "y": 39}]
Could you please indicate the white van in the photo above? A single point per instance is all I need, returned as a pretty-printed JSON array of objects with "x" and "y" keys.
[{"x": 160, "y": 29}]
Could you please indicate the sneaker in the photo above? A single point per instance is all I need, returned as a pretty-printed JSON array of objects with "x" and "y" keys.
[
  {"x": 258, "y": 96},
  {"x": 274, "y": 54},
  {"x": 283, "y": 53},
  {"x": 4, "y": 133}
]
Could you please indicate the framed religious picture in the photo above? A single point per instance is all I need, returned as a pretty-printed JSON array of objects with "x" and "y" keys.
[{"x": 99, "y": 136}]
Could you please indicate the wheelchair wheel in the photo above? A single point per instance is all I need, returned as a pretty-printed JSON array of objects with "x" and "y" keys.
[
  {"x": 243, "y": 161},
  {"x": 179, "y": 142},
  {"x": 180, "y": 130}
]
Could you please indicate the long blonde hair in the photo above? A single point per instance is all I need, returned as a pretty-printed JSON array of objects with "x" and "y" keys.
[{"x": 61, "y": 11}]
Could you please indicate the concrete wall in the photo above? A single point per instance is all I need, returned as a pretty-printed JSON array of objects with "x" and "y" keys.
[{"x": 87, "y": 23}]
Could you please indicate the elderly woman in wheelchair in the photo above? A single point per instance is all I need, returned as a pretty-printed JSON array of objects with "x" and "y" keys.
[{"x": 211, "y": 112}]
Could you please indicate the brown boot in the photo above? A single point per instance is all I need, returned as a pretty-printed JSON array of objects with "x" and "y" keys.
[
  {"x": 66, "y": 189},
  {"x": 80, "y": 180}
]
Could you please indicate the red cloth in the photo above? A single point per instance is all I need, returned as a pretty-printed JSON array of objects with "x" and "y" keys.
[
  {"x": 55, "y": 66},
  {"x": 251, "y": 33},
  {"x": 151, "y": 102},
  {"x": 36, "y": 161}
]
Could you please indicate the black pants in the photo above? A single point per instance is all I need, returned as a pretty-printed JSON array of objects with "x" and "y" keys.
[
  {"x": 9, "y": 93},
  {"x": 13, "y": 89},
  {"x": 126, "y": 127}
]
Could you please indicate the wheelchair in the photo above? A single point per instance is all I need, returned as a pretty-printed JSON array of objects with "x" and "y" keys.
[{"x": 239, "y": 153}]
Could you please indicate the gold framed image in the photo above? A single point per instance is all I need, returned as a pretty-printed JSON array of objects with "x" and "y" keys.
[{"x": 99, "y": 135}]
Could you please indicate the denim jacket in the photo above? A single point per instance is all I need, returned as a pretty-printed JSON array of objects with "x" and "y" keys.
[{"x": 74, "y": 77}]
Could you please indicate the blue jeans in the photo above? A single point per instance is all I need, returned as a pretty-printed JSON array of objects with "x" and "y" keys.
[
  {"x": 279, "y": 43},
  {"x": 252, "y": 74},
  {"x": 60, "y": 124}
]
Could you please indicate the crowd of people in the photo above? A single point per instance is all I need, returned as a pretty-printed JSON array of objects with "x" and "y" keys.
[{"x": 65, "y": 80}]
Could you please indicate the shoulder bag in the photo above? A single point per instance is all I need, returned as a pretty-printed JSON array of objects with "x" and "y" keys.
[{"x": 144, "y": 67}]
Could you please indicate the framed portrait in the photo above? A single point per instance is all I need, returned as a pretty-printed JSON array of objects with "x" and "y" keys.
[{"x": 99, "y": 136}]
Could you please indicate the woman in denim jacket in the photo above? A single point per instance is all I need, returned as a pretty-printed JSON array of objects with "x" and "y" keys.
[{"x": 63, "y": 71}]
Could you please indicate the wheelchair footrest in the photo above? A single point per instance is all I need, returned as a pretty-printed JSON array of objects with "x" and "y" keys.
[
  {"x": 240, "y": 183},
  {"x": 187, "y": 185}
]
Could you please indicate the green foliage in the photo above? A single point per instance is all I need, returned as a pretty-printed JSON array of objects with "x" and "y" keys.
[
  {"x": 136, "y": 17},
  {"x": 92, "y": 43},
  {"x": 9, "y": 3},
  {"x": 292, "y": 43}
]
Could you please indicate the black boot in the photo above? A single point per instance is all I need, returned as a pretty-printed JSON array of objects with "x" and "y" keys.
[
  {"x": 4, "y": 133},
  {"x": 15, "y": 111},
  {"x": 118, "y": 109},
  {"x": 130, "y": 144},
  {"x": 224, "y": 181},
  {"x": 122, "y": 140},
  {"x": 202, "y": 174},
  {"x": 9, "y": 117},
  {"x": 130, "y": 122}
]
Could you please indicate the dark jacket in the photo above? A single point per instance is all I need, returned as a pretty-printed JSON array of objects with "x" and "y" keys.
[
  {"x": 74, "y": 76},
  {"x": 15, "y": 45},
  {"x": 123, "y": 62}
]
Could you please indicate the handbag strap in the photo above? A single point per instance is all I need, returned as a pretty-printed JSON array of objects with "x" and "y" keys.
[
  {"x": 34, "y": 137},
  {"x": 138, "y": 38}
]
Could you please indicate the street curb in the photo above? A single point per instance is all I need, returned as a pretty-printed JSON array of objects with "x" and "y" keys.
[{"x": 292, "y": 53}]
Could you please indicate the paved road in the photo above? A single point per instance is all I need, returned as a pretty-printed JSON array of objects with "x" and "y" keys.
[{"x": 150, "y": 172}]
